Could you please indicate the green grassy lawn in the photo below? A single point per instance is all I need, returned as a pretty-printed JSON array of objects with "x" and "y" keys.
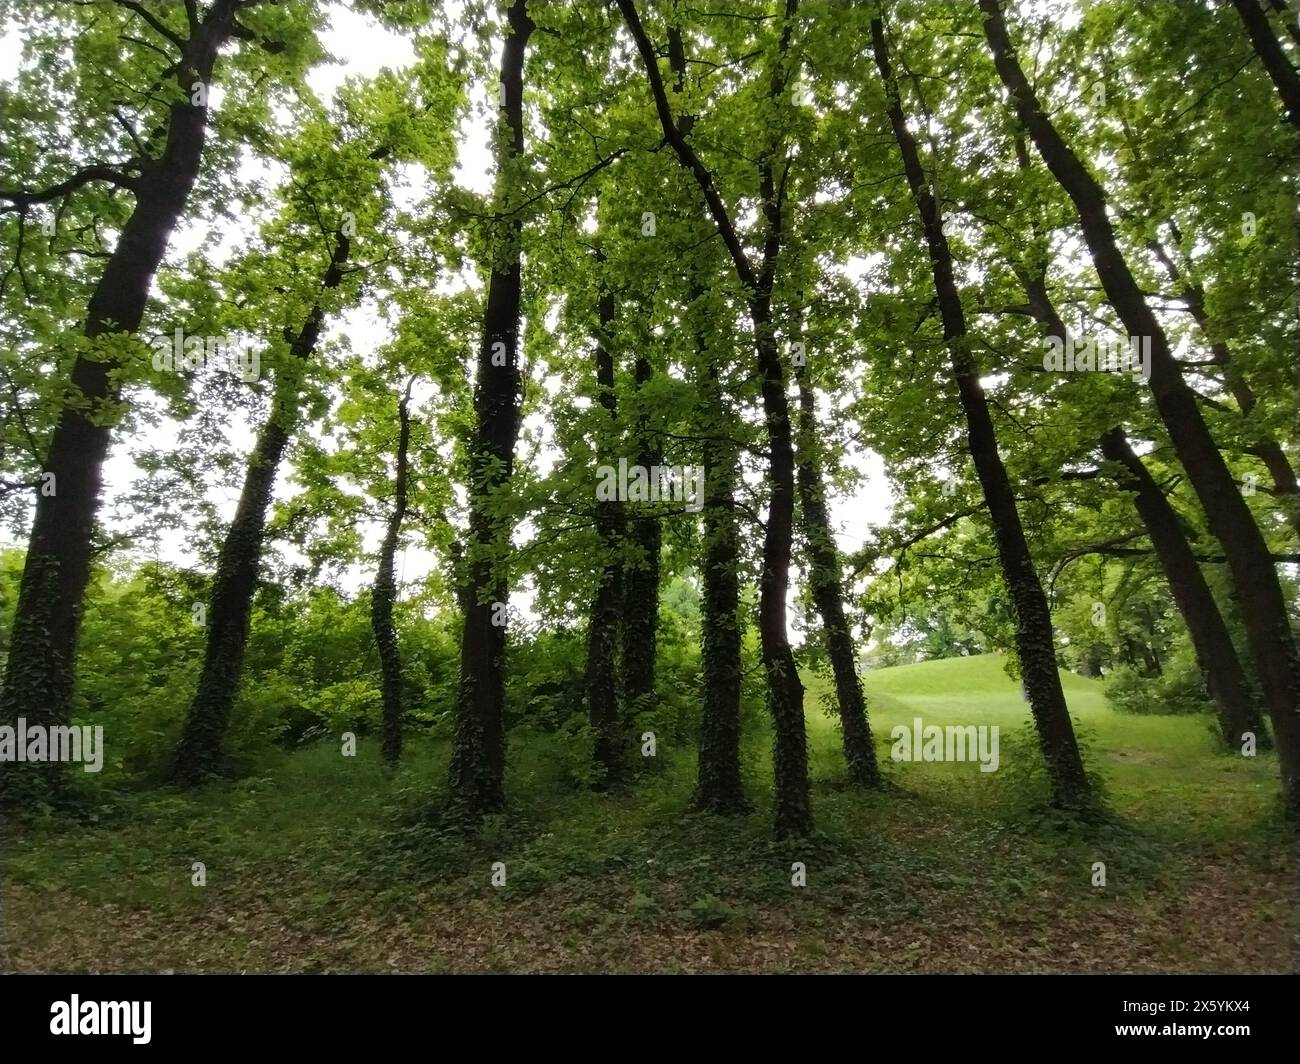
[{"x": 328, "y": 863}]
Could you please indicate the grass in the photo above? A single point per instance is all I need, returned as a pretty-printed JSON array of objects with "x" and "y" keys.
[{"x": 327, "y": 863}]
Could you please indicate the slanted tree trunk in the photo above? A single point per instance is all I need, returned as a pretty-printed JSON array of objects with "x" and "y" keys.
[
  {"x": 719, "y": 786},
  {"x": 476, "y": 776},
  {"x": 793, "y": 813},
  {"x": 1269, "y": 50},
  {"x": 1263, "y": 608},
  {"x": 1224, "y": 677},
  {"x": 1216, "y": 656},
  {"x": 1034, "y": 637},
  {"x": 40, "y": 668},
  {"x": 1269, "y": 451},
  {"x": 199, "y": 752},
  {"x": 609, "y": 752},
  {"x": 384, "y": 593},
  {"x": 826, "y": 578}
]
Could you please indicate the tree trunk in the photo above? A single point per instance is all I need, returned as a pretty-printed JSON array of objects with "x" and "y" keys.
[
  {"x": 199, "y": 752},
  {"x": 1263, "y": 608},
  {"x": 826, "y": 578},
  {"x": 384, "y": 594},
  {"x": 609, "y": 740},
  {"x": 1224, "y": 677},
  {"x": 641, "y": 578},
  {"x": 1216, "y": 656},
  {"x": 476, "y": 776},
  {"x": 1269, "y": 50},
  {"x": 719, "y": 786},
  {"x": 1269, "y": 451},
  {"x": 1034, "y": 637},
  {"x": 41, "y": 661},
  {"x": 793, "y": 813}
]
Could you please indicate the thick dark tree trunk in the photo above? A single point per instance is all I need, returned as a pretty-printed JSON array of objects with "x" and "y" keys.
[
  {"x": 476, "y": 776},
  {"x": 1269, "y": 50},
  {"x": 609, "y": 750},
  {"x": 1269, "y": 451},
  {"x": 198, "y": 754},
  {"x": 793, "y": 813},
  {"x": 1034, "y": 637},
  {"x": 1224, "y": 677},
  {"x": 719, "y": 786},
  {"x": 1215, "y": 654},
  {"x": 1259, "y": 594},
  {"x": 41, "y": 660},
  {"x": 826, "y": 578},
  {"x": 784, "y": 688},
  {"x": 384, "y": 593},
  {"x": 641, "y": 577}
]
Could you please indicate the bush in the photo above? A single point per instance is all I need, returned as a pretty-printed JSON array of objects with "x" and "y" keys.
[{"x": 1177, "y": 690}]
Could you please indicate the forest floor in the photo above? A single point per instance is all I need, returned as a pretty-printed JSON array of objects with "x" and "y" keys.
[{"x": 323, "y": 864}]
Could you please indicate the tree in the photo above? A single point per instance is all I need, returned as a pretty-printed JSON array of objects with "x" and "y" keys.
[
  {"x": 384, "y": 591},
  {"x": 1214, "y": 650},
  {"x": 42, "y": 645},
  {"x": 719, "y": 787},
  {"x": 477, "y": 771},
  {"x": 1255, "y": 580},
  {"x": 1034, "y": 639},
  {"x": 607, "y": 725},
  {"x": 826, "y": 577},
  {"x": 793, "y": 815},
  {"x": 199, "y": 750},
  {"x": 1216, "y": 656}
]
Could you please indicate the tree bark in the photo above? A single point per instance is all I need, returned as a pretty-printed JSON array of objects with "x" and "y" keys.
[
  {"x": 793, "y": 813},
  {"x": 1034, "y": 636},
  {"x": 199, "y": 751},
  {"x": 1269, "y": 49},
  {"x": 609, "y": 753},
  {"x": 641, "y": 577},
  {"x": 719, "y": 786},
  {"x": 1220, "y": 667},
  {"x": 826, "y": 577},
  {"x": 384, "y": 593},
  {"x": 1216, "y": 656},
  {"x": 476, "y": 776},
  {"x": 1263, "y": 608},
  {"x": 41, "y": 662},
  {"x": 1269, "y": 451}
]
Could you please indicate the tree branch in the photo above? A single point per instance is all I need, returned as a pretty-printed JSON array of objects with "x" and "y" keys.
[{"x": 21, "y": 199}]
